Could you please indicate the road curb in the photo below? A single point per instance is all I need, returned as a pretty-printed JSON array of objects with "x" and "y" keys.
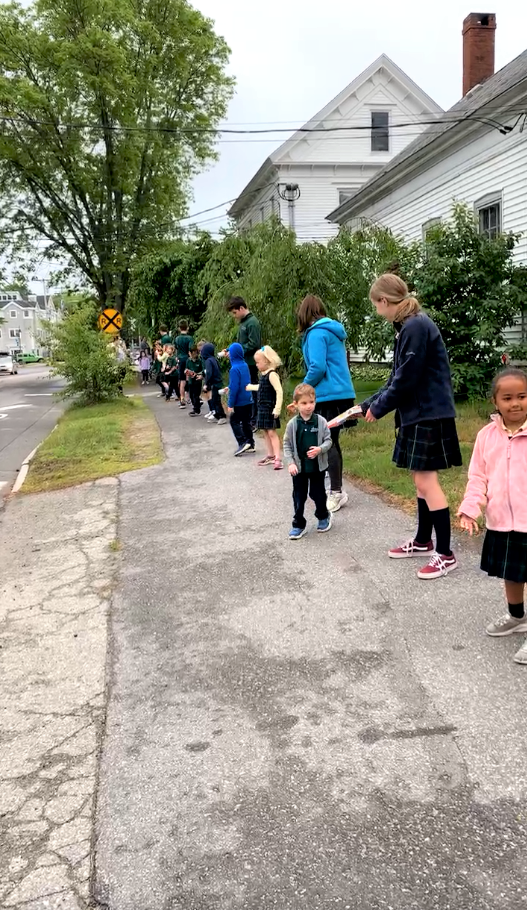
[{"x": 24, "y": 468}]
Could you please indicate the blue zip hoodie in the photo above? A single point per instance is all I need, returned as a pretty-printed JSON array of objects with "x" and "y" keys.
[
  {"x": 213, "y": 377},
  {"x": 239, "y": 377},
  {"x": 325, "y": 358}
]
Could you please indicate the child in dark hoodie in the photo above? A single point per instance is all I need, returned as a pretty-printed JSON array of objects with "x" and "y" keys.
[
  {"x": 213, "y": 382},
  {"x": 240, "y": 400}
]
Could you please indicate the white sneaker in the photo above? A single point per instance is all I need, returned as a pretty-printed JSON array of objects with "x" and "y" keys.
[
  {"x": 335, "y": 501},
  {"x": 521, "y": 656},
  {"x": 221, "y": 421},
  {"x": 506, "y": 625},
  {"x": 209, "y": 416}
]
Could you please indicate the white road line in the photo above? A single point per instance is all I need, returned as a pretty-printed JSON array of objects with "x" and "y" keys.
[
  {"x": 4, "y": 416},
  {"x": 13, "y": 407},
  {"x": 38, "y": 394}
]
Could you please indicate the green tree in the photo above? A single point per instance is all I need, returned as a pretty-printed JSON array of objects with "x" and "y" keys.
[
  {"x": 356, "y": 259},
  {"x": 166, "y": 285},
  {"x": 83, "y": 356},
  {"x": 109, "y": 109},
  {"x": 471, "y": 288}
]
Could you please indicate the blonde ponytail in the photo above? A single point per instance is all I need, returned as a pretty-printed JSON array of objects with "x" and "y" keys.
[{"x": 395, "y": 291}]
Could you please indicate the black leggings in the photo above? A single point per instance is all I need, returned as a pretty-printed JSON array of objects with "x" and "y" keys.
[{"x": 329, "y": 410}]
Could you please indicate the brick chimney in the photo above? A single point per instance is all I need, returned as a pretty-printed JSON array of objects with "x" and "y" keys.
[{"x": 478, "y": 49}]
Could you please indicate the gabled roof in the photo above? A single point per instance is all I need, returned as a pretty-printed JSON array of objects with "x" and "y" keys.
[
  {"x": 462, "y": 114},
  {"x": 263, "y": 175}
]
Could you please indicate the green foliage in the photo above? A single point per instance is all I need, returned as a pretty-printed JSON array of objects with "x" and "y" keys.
[
  {"x": 466, "y": 282},
  {"x": 167, "y": 285},
  {"x": 108, "y": 107},
  {"x": 84, "y": 357},
  {"x": 370, "y": 372},
  {"x": 355, "y": 260},
  {"x": 273, "y": 273}
]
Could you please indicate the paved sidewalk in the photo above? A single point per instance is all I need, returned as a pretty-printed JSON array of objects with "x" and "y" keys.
[
  {"x": 56, "y": 575},
  {"x": 300, "y": 725}
]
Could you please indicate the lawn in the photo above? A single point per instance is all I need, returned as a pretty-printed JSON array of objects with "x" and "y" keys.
[
  {"x": 367, "y": 451},
  {"x": 96, "y": 441}
]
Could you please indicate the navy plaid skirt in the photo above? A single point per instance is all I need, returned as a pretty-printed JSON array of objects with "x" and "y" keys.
[
  {"x": 431, "y": 445},
  {"x": 504, "y": 555}
]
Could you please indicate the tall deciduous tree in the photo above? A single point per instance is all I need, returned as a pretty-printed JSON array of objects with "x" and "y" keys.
[{"x": 107, "y": 109}]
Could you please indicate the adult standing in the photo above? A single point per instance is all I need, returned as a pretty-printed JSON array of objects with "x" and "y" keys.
[
  {"x": 419, "y": 390},
  {"x": 324, "y": 350},
  {"x": 250, "y": 338}
]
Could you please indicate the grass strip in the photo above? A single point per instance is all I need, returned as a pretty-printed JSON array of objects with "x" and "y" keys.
[{"x": 96, "y": 441}]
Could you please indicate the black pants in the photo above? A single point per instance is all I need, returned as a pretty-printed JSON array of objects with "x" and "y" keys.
[
  {"x": 253, "y": 370},
  {"x": 194, "y": 390},
  {"x": 329, "y": 410},
  {"x": 144, "y": 375},
  {"x": 173, "y": 384},
  {"x": 241, "y": 424},
  {"x": 314, "y": 484},
  {"x": 159, "y": 377},
  {"x": 217, "y": 407}
]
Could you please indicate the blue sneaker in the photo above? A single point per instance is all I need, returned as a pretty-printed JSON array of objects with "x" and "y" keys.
[
  {"x": 297, "y": 533},
  {"x": 324, "y": 524}
]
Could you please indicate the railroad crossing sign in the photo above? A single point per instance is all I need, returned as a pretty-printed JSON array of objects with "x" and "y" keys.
[{"x": 110, "y": 321}]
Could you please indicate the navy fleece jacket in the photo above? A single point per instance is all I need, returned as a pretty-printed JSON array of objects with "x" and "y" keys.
[
  {"x": 420, "y": 385},
  {"x": 239, "y": 377},
  {"x": 213, "y": 377}
]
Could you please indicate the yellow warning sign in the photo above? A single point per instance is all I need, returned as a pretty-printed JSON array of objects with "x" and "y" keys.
[{"x": 110, "y": 321}]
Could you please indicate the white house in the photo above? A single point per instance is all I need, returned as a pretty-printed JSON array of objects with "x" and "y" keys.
[
  {"x": 475, "y": 153},
  {"x": 336, "y": 152},
  {"x": 21, "y": 327}
]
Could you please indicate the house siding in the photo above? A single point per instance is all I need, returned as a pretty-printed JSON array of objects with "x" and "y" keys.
[{"x": 491, "y": 164}]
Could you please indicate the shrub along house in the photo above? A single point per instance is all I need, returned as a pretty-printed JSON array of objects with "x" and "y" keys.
[
  {"x": 475, "y": 153},
  {"x": 324, "y": 162}
]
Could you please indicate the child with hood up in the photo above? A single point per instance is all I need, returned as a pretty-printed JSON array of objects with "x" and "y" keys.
[
  {"x": 240, "y": 400},
  {"x": 213, "y": 382}
]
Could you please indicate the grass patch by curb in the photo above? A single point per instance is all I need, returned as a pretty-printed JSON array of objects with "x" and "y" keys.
[{"x": 97, "y": 441}]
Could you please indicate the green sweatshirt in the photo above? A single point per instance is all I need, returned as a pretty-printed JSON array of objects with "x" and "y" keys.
[
  {"x": 250, "y": 337},
  {"x": 196, "y": 366},
  {"x": 306, "y": 437}
]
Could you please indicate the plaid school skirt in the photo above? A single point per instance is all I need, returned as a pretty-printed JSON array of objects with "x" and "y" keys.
[
  {"x": 504, "y": 555},
  {"x": 431, "y": 445}
]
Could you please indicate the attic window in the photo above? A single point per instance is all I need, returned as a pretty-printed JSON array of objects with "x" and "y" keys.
[{"x": 380, "y": 131}]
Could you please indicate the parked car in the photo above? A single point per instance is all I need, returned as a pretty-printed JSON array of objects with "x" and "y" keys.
[
  {"x": 8, "y": 363},
  {"x": 30, "y": 358}
]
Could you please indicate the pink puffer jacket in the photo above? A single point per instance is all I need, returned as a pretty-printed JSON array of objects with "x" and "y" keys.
[{"x": 497, "y": 479}]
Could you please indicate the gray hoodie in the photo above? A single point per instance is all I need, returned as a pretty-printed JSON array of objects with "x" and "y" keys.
[{"x": 324, "y": 441}]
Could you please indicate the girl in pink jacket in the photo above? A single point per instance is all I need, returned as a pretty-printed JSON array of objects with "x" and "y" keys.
[{"x": 497, "y": 480}]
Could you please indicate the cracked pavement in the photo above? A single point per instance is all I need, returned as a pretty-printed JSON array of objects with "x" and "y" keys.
[
  {"x": 300, "y": 725},
  {"x": 56, "y": 576}
]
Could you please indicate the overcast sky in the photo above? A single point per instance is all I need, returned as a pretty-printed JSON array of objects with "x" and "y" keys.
[{"x": 290, "y": 57}]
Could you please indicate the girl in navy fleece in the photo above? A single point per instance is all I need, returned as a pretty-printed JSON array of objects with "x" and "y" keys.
[
  {"x": 240, "y": 400},
  {"x": 419, "y": 390}
]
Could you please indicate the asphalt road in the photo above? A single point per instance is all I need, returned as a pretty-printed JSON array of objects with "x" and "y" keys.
[{"x": 28, "y": 412}]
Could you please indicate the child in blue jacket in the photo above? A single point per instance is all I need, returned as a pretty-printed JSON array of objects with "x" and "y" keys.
[{"x": 240, "y": 400}]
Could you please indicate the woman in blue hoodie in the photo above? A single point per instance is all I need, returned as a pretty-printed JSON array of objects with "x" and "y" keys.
[
  {"x": 326, "y": 361},
  {"x": 240, "y": 400}
]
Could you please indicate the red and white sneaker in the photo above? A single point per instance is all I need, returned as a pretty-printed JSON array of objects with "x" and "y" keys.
[
  {"x": 438, "y": 566},
  {"x": 411, "y": 548}
]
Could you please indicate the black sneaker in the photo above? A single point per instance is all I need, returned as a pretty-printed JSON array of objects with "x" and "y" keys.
[{"x": 194, "y": 414}]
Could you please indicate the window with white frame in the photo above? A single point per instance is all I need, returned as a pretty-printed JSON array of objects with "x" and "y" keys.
[
  {"x": 489, "y": 213},
  {"x": 13, "y": 333},
  {"x": 380, "y": 131},
  {"x": 344, "y": 195},
  {"x": 12, "y": 314},
  {"x": 27, "y": 314}
]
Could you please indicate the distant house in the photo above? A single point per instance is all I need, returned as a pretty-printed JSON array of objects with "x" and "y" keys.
[
  {"x": 22, "y": 326},
  {"x": 475, "y": 153},
  {"x": 336, "y": 152}
]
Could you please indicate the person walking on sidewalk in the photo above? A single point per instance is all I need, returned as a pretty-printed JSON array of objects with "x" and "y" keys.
[
  {"x": 325, "y": 357},
  {"x": 307, "y": 441},
  {"x": 497, "y": 481},
  {"x": 250, "y": 338},
  {"x": 183, "y": 344},
  {"x": 419, "y": 390},
  {"x": 270, "y": 398},
  {"x": 240, "y": 401}
]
